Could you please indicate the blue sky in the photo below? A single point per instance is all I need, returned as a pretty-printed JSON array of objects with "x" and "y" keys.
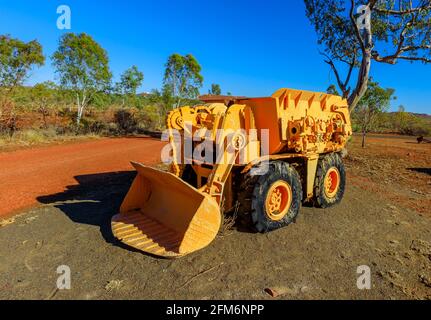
[{"x": 248, "y": 47}]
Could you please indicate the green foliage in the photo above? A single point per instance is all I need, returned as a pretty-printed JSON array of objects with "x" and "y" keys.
[
  {"x": 377, "y": 98},
  {"x": 215, "y": 89},
  {"x": 130, "y": 81},
  {"x": 332, "y": 89},
  {"x": 125, "y": 120},
  {"x": 17, "y": 58},
  {"x": 182, "y": 78},
  {"x": 332, "y": 24},
  {"x": 405, "y": 27},
  {"x": 417, "y": 127},
  {"x": 44, "y": 93},
  {"x": 372, "y": 116},
  {"x": 151, "y": 117},
  {"x": 389, "y": 122},
  {"x": 101, "y": 100},
  {"x": 81, "y": 63},
  {"x": 168, "y": 97},
  {"x": 44, "y": 96},
  {"x": 399, "y": 30},
  {"x": 150, "y": 113},
  {"x": 375, "y": 101},
  {"x": 83, "y": 67},
  {"x": 409, "y": 124}
]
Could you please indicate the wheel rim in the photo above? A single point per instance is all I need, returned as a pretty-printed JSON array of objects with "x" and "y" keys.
[
  {"x": 332, "y": 182},
  {"x": 278, "y": 200}
]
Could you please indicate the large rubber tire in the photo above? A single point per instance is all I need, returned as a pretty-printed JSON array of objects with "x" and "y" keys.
[
  {"x": 255, "y": 190},
  {"x": 323, "y": 198}
]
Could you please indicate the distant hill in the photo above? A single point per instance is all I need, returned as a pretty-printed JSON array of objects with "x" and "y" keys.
[
  {"x": 419, "y": 115},
  {"x": 422, "y": 115}
]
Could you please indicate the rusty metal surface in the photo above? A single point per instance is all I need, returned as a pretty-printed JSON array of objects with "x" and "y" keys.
[{"x": 209, "y": 98}]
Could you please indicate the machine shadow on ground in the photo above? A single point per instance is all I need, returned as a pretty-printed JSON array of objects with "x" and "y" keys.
[
  {"x": 94, "y": 200},
  {"x": 421, "y": 170},
  {"x": 98, "y": 197}
]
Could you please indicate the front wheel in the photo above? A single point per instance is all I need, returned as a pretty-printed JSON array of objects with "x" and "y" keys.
[
  {"x": 275, "y": 197},
  {"x": 330, "y": 181}
]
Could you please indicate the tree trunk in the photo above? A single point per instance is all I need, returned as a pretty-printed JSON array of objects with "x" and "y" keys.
[
  {"x": 364, "y": 133},
  {"x": 44, "y": 116},
  {"x": 81, "y": 106},
  {"x": 177, "y": 105},
  {"x": 362, "y": 85},
  {"x": 364, "y": 72},
  {"x": 78, "y": 115}
]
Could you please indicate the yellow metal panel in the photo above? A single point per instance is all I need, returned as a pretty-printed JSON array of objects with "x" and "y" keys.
[{"x": 165, "y": 216}]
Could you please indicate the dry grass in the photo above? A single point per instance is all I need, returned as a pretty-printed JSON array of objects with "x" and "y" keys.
[
  {"x": 229, "y": 219},
  {"x": 30, "y": 138}
]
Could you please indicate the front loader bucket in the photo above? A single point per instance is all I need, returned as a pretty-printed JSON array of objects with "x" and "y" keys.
[{"x": 164, "y": 216}]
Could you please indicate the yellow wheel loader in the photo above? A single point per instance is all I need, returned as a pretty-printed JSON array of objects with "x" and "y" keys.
[{"x": 265, "y": 156}]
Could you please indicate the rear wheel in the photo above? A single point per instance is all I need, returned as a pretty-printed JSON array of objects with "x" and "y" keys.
[
  {"x": 330, "y": 181},
  {"x": 273, "y": 199}
]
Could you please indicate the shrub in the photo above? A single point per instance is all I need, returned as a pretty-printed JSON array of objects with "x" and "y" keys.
[
  {"x": 8, "y": 117},
  {"x": 150, "y": 118},
  {"x": 31, "y": 136},
  {"x": 126, "y": 121}
]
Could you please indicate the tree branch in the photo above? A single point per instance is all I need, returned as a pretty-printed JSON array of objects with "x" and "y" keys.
[
  {"x": 355, "y": 26},
  {"x": 349, "y": 74},
  {"x": 340, "y": 83},
  {"x": 364, "y": 71},
  {"x": 423, "y": 59},
  {"x": 403, "y": 12},
  {"x": 392, "y": 59},
  {"x": 415, "y": 48}
]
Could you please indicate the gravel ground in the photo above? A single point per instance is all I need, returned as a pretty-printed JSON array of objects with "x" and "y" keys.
[{"x": 316, "y": 258}]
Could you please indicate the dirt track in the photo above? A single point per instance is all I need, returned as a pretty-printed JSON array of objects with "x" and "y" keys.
[
  {"x": 31, "y": 173},
  {"x": 384, "y": 222}
]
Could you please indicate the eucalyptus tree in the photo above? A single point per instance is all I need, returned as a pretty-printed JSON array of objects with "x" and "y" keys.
[
  {"x": 83, "y": 67},
  {"x": 355, "y": 33}
]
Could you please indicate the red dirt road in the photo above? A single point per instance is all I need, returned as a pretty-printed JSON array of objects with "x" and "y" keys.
[{"x": 28, "y": 174}]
